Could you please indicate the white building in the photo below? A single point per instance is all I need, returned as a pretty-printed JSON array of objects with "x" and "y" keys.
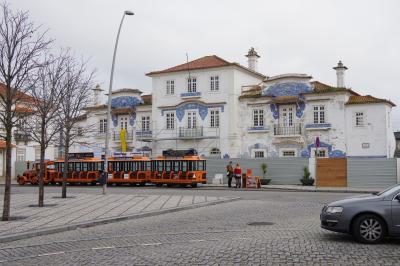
[{"x": 223, "y": 109}]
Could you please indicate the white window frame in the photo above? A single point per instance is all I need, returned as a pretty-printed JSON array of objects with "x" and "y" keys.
[
  {"x": 191, "y": 121},
  {"x": 214, "y": 83},
  {"x": 356, "y": 115},
  {"x": 319, "y": 114},
  {"x": 192, "y": 84},
  {"x": 319, "y": 152},
  {"x": 255, "y": 151},
  {"x": 283, "y": 151},
  {"x": 170, "y": 120},
  {"x": 258, "y": 117},
  {"x": 215, "y": 118},
  {"x": 103, "y": 125},
  {"x": 123, "y": 122},
  {"x": 170, "y": 87},
  {"x": 215, "y": 152},
  {"x": 145, "y": 123},
  {"x": 21, "y": 154}
]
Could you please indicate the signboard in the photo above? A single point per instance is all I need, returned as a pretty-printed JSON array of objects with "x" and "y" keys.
[
  {"x": 126, "y": 176},
  {"x": 122, "y": 154},
  {"x": 110, "y": 176},
  {"x": 251, "y": 181}
]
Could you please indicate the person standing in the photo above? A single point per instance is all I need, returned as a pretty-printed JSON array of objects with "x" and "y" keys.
[
  {"x": 229, "y": 173},
  {"x": 238, "y": 175}
]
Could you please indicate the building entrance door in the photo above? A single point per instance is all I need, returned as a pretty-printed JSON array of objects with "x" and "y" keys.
[
  {"x": 191, "y": 119},
  {"x": 286, "y": 116}
]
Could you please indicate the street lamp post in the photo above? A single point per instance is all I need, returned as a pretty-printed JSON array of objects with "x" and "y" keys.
[{"x": 128, "y": 13}]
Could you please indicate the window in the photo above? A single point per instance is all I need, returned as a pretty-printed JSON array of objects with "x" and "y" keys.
[
  {"x": 359, "y": 119},
  {"x": 145, "y": 123},
  {"x": 214, "y": 83},
  {"x": 170, "y": 123},
  {"x": 259, "y": 154},
  {"x": 215, "y": 152},
  {"x": 258, "y": 117},
  {"x": 191, "y": 84},
  {"x": 365, "y": 145},
  {"x": 170, "y": 87},
  {"x": 321, "y": 153},
  {"x": 191, "y": 119},
  {"x": 21, "y": 154},
  {"x": 319, "y": 114},
  {"x": 123, "y": 122},
  {"x": 103, "y": 125},
  {"x": 288, "y": 153},
  {"x": 214, "y": 118}
]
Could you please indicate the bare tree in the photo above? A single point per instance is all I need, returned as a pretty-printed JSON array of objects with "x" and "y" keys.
[
  {"x": 21, "y": 52},
  {"x": 77, "y": 85},
  {"x": 47, "y": 95}
]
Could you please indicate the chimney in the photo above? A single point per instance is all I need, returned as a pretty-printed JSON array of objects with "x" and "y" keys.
[
  {"x": 253, "y": 59},
  {"x": 97, "y": 95},
  {"x": 340, "y": 69}
]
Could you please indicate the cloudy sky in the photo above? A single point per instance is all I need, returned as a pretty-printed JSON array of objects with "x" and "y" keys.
[{"x": 307, "y": 36}]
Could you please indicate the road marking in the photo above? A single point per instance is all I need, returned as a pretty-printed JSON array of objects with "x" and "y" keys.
[
  {"x": 198, "y": 240},
  {"x": 50, "y": 254},
  {"x": 98, "y": 248},
  {"x": 151, "y": 244}
]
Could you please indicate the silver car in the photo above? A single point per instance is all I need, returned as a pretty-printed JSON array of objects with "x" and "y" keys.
[{"x": 369, "y": 218}]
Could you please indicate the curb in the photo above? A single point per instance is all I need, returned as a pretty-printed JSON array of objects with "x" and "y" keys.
[
  {"x": 68, "y": 227},
  {"x": 288, "y": 190}
]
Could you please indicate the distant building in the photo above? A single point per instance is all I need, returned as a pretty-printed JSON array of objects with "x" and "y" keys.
[{"x": 223, "y": 109}]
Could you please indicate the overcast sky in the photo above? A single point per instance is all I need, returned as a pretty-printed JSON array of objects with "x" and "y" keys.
[{"x": 307, "y": 36}]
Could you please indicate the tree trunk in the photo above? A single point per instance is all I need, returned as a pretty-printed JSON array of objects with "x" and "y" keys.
[
  {"x": 7, "y": 188},
  {"x": 42, "y": 170},
  {"x": 66, "y": 159}
]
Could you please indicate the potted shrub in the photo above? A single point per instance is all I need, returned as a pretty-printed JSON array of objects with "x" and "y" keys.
[
  {"x": 264, "y": 168},
  {"x": 307, "y": 180}
]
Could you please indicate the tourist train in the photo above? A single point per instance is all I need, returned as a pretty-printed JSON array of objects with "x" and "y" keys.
[{"x": 182, "y": 168}]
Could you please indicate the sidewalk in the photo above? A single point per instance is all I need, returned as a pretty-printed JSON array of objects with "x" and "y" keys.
[
  {"x": 83, "y": 210},
  {"x": 300, "y": 188}
]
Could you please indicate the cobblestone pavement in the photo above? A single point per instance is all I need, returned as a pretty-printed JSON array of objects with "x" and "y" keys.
[
  {"x": 215, "y": 235},
  {"x": 80, "y": 207}
]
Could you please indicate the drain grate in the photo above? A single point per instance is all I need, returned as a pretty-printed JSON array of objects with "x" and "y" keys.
[
  {"x": 260, "y": 223},
  {"x": 45, "y": 205}
]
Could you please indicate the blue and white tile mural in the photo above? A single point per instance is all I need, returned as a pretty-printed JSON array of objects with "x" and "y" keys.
[{"x": 287, "y": 89}]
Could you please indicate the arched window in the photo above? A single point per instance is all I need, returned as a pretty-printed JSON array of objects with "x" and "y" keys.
[{"x": 215, "y": 152}]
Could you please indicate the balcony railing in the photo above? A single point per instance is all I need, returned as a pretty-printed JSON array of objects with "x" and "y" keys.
[
  {"x": 117, "y": 137},
  {"x": 22, "y": 136},
  {"x": 287, "y": 130},
  {"x": 144, "y": 133},
  {"x": 189, "y": 133}
]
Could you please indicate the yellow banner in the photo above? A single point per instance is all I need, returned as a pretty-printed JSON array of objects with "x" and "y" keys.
[{"x": 122, "y": 135}]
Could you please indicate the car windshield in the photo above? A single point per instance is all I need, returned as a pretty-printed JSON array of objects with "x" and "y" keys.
[{"x": 389, "y": 190}]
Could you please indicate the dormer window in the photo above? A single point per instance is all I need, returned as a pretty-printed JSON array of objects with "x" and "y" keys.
[{"x": 192, "y": 84}]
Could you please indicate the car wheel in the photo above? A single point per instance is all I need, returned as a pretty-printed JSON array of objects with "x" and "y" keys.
[{"x": 369, "y": 229}]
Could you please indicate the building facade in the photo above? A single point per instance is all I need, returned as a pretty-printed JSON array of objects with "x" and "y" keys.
[{"x": 223, "y": 109}]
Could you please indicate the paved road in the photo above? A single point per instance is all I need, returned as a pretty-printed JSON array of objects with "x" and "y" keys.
[{"x": 215, "y": 235}]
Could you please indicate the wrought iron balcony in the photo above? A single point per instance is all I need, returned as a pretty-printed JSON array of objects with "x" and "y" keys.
[
  {"x": 22, "y": 135},
  {"x": 190, "y": 133},
  {"x": 117, "y": 135},
  {"x": 144, "y": 134},
  {"x": 287, "y": 130}
]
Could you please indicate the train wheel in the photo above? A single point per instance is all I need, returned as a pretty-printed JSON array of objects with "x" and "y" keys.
[
  {"x": 159, "y": 185},
  {"x": 194, "y": 185},
  {"x": 93, "y": 183},
  {"x": 34, "y": 180}
]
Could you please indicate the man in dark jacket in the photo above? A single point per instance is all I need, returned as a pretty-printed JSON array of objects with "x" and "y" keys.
[{"x": 229, "y": 173}]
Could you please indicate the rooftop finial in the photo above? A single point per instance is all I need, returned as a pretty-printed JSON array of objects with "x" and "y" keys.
[
  {"x": 252, "y": 52},
  {"x": 340, "y": 69}
]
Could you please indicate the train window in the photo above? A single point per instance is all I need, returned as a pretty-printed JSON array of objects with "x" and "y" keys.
[
  {"x": 184, "y": 166},
  {"x": 148, "y": 166},
  {"x": 202, "y": 165},
  {"x": 78, "y": 167},
  {"x": 168, "y": 166},
  {"x": 70, "y": 166},
  {"x": 160, "y": 166},
  {"x": 175, "y": 166},
  {"x": 84, "y": 166}
]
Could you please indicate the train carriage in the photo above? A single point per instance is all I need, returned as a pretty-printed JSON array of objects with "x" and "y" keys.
[
  {"x": 82, "y": 170},
  {"x": 184, "y": 171},
  {"x": 31, "y": 174},
  {"x": 131, "y": 170}
]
